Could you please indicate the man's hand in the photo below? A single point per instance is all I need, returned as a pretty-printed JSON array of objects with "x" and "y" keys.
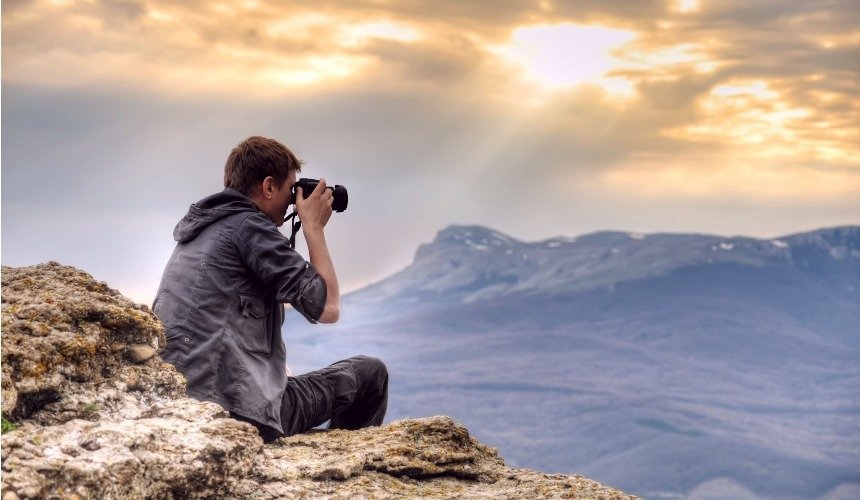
[{"x": 315, "y": 210}]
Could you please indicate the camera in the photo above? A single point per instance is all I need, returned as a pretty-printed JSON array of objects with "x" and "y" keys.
[{"x": 308, "y": 186}]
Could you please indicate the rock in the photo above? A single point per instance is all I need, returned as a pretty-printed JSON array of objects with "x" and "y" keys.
[
  {"x": 138, "y": 353},
  {"x": 100, "y": 415},
  {"x": 159, "y": 456},
  {"x": 60, "y": 330},
  {"x": 10, "y": 394},
  {"x": 420, "y": 458}
]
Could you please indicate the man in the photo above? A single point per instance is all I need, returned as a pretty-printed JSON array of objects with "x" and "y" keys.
[{"x": 222, "y": 294}]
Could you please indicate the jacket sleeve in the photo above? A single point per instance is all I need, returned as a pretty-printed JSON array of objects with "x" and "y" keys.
[{"x": 266, "y": 252}]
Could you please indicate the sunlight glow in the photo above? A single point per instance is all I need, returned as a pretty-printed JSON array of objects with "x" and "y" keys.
[
  {"x": 316, "y": 69},
  {"x": 666, "y": 56},
  {"x": 755, "y": 88},
  {"x": 717, "y": 177},
  {"x": 340, "y": 60},
  {"x": 357, "y": 34},
  {"x": 305, "y": 70},
  {"x": 667, "y": 63},
  {"x": 837, "y": 40},
  {"x": 160, "y": 15},
  {"x": 687, "y": 6},
  {"x": 564, "y": 55}
]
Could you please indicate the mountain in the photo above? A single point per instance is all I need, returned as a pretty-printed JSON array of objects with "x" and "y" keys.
[
  {"x": 666, "y": 364},
  {"x": 470, "y": 263}
]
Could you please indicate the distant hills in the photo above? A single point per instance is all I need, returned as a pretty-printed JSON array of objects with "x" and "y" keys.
[
  {"x": 663, "y": 364},
  {"x": 469, "y": 263}
]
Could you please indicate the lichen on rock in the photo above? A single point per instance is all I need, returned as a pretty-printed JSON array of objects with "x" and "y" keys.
[
  {"x": 60, "y": 362},
  {"x": 98, "y": 414}
]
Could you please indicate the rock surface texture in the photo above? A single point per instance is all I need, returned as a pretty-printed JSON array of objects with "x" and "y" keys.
[{"x": 100, "y": 415}]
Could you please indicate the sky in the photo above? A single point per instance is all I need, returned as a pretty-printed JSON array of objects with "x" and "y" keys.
[{"x": 537, "y": 119}]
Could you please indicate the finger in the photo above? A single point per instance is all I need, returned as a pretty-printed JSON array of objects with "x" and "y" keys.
[
  {"x": 299, "y": 194},
  {"x": 330, "y": 200},
  {"x": 320, "y": 187}
]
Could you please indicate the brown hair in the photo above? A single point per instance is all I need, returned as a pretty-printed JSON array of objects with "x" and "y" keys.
[{"x": 256, "y": 158}]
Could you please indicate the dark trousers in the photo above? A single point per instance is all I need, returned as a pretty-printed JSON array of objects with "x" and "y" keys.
[{"x": 350, "y": 394}]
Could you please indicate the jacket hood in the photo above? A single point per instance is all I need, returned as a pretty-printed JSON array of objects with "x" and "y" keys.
[{"x": 209, "y": 210}]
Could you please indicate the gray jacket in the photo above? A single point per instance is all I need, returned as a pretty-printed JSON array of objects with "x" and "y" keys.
[{"x": 221, "y": 301}]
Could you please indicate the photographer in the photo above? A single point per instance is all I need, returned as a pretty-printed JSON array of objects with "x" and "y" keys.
[{"x": 222, "y": 293}]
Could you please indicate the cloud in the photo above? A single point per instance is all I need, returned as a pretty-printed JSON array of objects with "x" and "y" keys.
[{"x": 735, "y": 116}]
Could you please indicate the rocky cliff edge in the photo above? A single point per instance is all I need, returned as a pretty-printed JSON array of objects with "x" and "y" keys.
[{"x": 91, "y": 411}]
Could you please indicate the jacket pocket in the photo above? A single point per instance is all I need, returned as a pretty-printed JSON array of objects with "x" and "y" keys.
[{"x": 252, "y": 323}]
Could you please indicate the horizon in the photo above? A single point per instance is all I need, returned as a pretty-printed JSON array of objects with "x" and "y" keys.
[
  {"x": 149, "y": 298},
  {"x": 659, "y": 232}
]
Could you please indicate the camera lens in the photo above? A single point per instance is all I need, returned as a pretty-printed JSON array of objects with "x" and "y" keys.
[{"x": 341, "y": 199}]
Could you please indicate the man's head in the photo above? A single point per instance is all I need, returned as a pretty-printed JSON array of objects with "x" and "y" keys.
[
  {"x": 264, "y": 170},
  {"x": 256, "y": 158}
]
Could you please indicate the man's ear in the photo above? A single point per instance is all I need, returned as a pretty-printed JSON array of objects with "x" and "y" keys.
[{"x": 268, "y": 187}]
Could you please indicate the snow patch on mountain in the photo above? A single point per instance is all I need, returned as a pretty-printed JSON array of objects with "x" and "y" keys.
[{"x": 476, "y": 246}]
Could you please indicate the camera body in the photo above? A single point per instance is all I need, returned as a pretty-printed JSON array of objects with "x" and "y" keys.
[{"x": 308, "y": 185}]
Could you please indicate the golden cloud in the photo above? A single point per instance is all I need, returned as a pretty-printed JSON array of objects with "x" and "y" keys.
[
  {"x": 178, "y": 47},
  {"x": 763, "y": 120},
  {"x": 760, "y": 97}
]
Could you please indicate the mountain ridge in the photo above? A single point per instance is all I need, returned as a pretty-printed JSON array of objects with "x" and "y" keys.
[{"x": 501, "y": 264}]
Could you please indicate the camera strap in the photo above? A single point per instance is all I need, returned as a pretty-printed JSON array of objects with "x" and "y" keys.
[{"x": 296, "y": 224}]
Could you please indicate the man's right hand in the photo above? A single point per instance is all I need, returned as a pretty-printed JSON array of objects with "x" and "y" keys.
[{"x": 315, "y": 210}]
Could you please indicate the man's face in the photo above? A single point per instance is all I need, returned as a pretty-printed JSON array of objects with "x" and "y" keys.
[{"x": 281, "y": 199}]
